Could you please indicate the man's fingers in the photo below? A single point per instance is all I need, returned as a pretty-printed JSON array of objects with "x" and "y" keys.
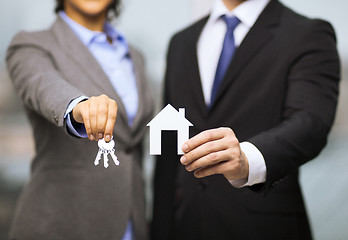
[
  {"x": 215, "y": 151},
  {"x": 203, "y": 150},
  {"x": 232, "y": 170},
  {"x": 219, "y": 168},
  {"x": 208, "y": 171},
  {"x": 203, "y": 137},
  {"x": 210, "y": 159}
]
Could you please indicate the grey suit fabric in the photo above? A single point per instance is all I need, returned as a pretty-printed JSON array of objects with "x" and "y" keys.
[{"x": 67, "y": 197}]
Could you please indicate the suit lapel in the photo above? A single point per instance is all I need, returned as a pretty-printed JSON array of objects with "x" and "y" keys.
[
  {"x": 258, "y": 36},
  {"x": 83, "y": 59},
  {"x": 193, "y": 68},
  {"x": 139, "y": 77}
]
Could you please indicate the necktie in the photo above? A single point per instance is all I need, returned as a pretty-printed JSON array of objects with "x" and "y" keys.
[{"x": 227, "y": 52}]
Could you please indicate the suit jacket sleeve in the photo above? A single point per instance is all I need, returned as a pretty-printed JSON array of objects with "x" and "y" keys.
[
  {"x": 309, "y": 106},
  {"x": 37, "y": 79}
]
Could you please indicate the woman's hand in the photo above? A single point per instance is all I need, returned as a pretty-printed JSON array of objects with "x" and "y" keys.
[{"x": 98, "y": 114}]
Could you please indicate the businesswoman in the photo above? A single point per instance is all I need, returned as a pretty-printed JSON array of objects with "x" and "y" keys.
[{"x": 76, "y": 80}]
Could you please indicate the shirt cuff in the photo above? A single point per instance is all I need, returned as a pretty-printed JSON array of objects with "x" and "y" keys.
[
  {"x": 257, "y": 166},
  {"x": 76, "y": 129}
]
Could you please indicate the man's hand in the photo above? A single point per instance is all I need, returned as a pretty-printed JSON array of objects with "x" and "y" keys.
[
  {"x": 98, "y": 114},
  {"x": 215, "y": 151}
]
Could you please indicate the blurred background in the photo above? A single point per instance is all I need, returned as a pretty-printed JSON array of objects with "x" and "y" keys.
[{"x": 148, "y": 25}]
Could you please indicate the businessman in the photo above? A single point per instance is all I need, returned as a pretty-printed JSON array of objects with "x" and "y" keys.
[{"x": 259, "y": 83}]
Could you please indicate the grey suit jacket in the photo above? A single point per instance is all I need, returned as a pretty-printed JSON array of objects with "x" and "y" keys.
[{"x": 67, "y": 197}]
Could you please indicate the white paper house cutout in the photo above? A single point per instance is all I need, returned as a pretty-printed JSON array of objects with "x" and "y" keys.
[{"x": 168, "y": 119}]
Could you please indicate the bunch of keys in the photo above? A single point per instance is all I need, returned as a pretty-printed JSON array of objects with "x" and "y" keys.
[{"x": 106, "y": 148}]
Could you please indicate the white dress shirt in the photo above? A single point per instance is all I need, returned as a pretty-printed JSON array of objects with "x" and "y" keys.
[{"x": 209, "y": 48}]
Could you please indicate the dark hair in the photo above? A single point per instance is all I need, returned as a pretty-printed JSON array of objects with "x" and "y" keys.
[{"x": 112, "y": 11}]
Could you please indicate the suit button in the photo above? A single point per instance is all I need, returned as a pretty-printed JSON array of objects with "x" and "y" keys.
[
  {"x": 55, "y": 118},
  {"x": 201, "y": 186}
]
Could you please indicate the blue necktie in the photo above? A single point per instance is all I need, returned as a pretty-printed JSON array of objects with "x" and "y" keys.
[{"x": 227, "y": 52}]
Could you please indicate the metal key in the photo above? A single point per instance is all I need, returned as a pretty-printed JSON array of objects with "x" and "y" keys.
[
  {"x": 99, "y": 154},
  {"x": 106, "y": 148},
  {"x": 109, "y": 147},
  {"x": 114, "y": 157},
  {"x": 98, "y": 157},
  {"x": 106, "y": 164}
]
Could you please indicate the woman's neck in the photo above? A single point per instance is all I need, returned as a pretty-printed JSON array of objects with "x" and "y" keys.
[{"x": 94, "y": 23}]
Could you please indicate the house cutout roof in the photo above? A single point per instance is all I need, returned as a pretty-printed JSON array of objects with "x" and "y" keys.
[{"x": 168, "y": 119}]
